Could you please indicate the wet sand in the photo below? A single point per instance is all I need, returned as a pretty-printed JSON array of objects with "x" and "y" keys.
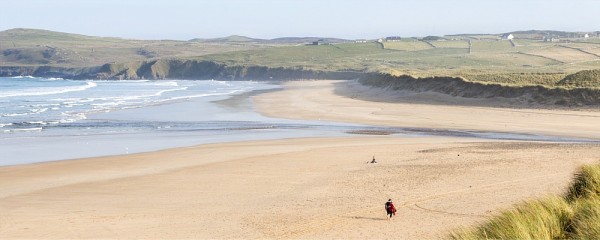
[{"x": 311, "y": 188}]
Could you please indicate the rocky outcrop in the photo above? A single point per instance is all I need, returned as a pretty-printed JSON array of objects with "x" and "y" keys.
[{"x": 177, "y": 69}]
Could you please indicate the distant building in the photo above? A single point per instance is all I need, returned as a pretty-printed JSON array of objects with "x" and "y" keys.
[
  {"x": 380, "y": 40},
  {"x": 360, "y": 41},
  {"x": 507, "y": 36},
  {"x": 586, "y": 35},
  {"x": 319, "y": 42},
  {"x": 551, "y": 39},
  {"x": 393, "y": 39}
]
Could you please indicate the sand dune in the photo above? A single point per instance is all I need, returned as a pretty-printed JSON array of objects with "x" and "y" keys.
[{"x": 311, "y": 188}]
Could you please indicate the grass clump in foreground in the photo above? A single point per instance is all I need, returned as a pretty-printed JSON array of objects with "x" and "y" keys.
[{"x": 573, "y": 216}]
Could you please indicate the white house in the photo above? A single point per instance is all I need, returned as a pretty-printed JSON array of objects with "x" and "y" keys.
[{"x": 507, "y": 36}]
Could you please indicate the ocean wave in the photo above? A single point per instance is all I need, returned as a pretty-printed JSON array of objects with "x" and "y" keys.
[
  {"x": 218, "y": 82},
  {"x": 35, "y": 129},
  {"x": 37, "y": 123},
  {"x": 70, "y": 117},
  {"x": 136, "y": 97},
  {"x": 53, "y": 79},
  {"x": 112, "y": 100},
  {"x": 47, "y": 91},
  {"x": 38, "y": 110},
  {"x": 202, "y": 95},
  {"x": 19, "y": 77},
  {"x": 169, "y": 84},
  {"x": 124, "y": 81},
  {"x": 31, "y": 112},
  {"x": 16, "y": 114}
]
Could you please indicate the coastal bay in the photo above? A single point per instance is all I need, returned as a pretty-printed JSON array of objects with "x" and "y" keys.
[{"x": 304, "y": 187}]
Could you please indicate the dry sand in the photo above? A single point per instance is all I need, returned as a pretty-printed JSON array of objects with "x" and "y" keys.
[
  {"x": 299, "y": 188},
  {"x": 327, "y": 100}
]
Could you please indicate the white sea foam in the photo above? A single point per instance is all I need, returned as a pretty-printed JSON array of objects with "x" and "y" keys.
[
  {"x": 201, "y": 95},
  {"x": 19, "y": 77},
  {"x": 37, "y": 122},
  {"x": 46, "y": 91},
  {"x": 137, "y": 97},
  {"x": 126, "y": 81},
  {"x": 38, "y": 110},
  {"x": 15, "y": 114},
  {"x": 35, "y": 129},
  {"x": 72, "y": 117},
  {"x": 169, "y": 84}
]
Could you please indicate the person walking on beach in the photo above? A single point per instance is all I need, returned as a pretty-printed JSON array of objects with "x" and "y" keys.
[{"x": 390, "y": 209}]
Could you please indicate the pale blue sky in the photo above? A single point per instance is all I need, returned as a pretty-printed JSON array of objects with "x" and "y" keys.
[{"x": 186, "y": 19}]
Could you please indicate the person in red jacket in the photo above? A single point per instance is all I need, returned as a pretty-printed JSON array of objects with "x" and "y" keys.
[{"x": 390, "y": 209}]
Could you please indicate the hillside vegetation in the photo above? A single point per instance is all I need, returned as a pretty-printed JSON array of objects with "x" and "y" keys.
[
  {"x": 576, "y": 215},
  {"x": 459, "y": 87},
  {"x": 585, "y": 78},
  {"x": 475, "y": 58},
  {"x": 30, "y": 47}
]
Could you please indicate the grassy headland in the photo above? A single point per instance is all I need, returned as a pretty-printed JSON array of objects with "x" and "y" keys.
[{"x": 524, "y": 63}]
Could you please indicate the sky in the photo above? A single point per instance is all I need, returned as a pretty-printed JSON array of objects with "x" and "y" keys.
[{"x": 350, "y": 19}]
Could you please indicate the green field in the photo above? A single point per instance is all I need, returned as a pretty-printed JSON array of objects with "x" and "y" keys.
[
  {"x": 407, "y": 45},
  {"x": 486, "y": 59}
]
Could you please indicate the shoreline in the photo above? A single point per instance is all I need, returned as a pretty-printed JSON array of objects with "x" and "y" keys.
[
  {"x": 317, "y": 187},
  {"x": 291, "y": 188},
  {"x": 335, "y": 100},
  {"x": 237, "y": 106}
]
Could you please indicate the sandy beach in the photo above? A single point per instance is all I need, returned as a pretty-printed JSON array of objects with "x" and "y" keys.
[
  {"x": 308, "y": 188},
  {"x": 340, "y": 101}
]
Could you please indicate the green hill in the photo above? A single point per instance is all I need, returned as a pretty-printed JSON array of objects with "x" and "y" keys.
[
  {"x": 478, "y": 58},
  {"x": 232, "y": 38},
  {"x": 34, "y": 47}
]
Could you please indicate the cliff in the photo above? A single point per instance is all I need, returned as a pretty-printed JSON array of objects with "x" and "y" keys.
[{"x": 176, "y": 69}]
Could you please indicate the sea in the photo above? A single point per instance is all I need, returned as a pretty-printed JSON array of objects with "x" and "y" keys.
[{"x": 50, "y": 119}]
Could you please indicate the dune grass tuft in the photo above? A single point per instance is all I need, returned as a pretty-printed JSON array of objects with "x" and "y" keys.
[
  {"x": 543, "y": 219},
  {"x": 586, "y": 219},
  {"x": 573, "y": 216},
  {"x": 585, "y": 184}
]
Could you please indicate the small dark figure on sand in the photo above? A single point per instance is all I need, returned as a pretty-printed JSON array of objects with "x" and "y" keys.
[
  {"x": 390, "y": 209},
  {"x": 373, "y": 161}
]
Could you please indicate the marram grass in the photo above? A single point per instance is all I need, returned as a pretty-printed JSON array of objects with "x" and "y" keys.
[
  {"x": 544, "y": 219},
  {"x": 573, "y": 216},
  {"x": 586, "y": 183},
  {"x": 586, "y": 219}
]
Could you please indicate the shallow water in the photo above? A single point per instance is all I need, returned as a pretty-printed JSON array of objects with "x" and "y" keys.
[{"x": 53, "y": 119}]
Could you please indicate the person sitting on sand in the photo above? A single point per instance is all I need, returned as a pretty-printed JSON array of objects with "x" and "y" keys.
[
  {"x": 373, "y": 161},
  {"x": 390, "y": 209}
]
